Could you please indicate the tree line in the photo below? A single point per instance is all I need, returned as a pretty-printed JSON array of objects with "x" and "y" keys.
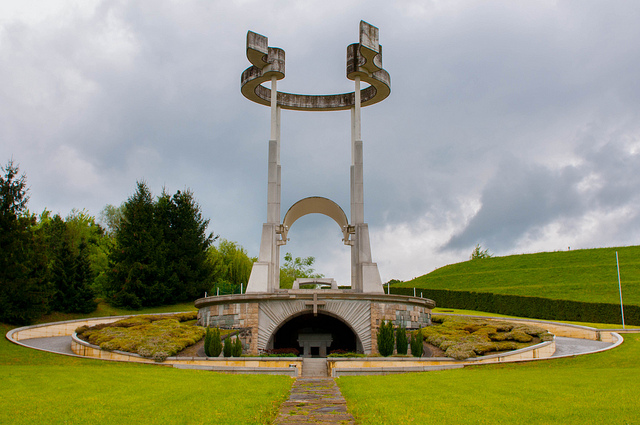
[{"x": 150, "y": 251}]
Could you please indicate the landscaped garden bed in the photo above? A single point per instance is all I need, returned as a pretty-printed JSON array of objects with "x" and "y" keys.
[
  {"x": 152, "y": 336},
  {"x": 461, "y": 337}
]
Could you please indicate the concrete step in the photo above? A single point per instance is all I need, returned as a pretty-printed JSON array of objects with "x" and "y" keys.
[{"x": 314, "y": 367}]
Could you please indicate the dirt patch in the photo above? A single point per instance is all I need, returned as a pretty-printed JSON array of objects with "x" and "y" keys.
[
  {"x": 432, "y": 351},
  {"x": 195, "y": 350}
]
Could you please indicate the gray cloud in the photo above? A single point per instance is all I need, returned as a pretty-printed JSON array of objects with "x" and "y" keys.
[{"x": 509, "y": 123}]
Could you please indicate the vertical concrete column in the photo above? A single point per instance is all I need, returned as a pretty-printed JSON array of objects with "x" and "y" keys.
[
  {"x": 265, "y": 274},
  {"x": 364, "y": 273}
]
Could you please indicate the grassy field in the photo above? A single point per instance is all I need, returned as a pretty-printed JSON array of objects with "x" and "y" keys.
[
  {"x": 588, "y": 275},
  {"x": 39, "y": 387},
  {"x": 595, "y": 389},
  {"x": 44, "y": 388}
]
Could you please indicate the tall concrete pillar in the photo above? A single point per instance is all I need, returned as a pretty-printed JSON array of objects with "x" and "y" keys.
[{"x": 364, "y": 63}]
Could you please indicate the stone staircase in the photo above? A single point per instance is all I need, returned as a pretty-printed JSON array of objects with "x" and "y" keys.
[{"x": 314, "y": 367}]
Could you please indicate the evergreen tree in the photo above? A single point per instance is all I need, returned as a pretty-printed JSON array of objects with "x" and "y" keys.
[
  {"x": 69, "y": 269},
  {"x": 227, "y": 349},
  {"x": 208, "y": 335},
  {"x": 417, "y": 343},
  {"x": 134, "y": 279},
  {"x": 23, "y": 292},
  {"x": 386, "y": 340},
  {"x": 402, "y": 344},
  {"x": 237, "y": 347},
  {"x": 185, "y": 232},
  {"x": 213, "y": 347},
  {"x": 160, "y": 251}
]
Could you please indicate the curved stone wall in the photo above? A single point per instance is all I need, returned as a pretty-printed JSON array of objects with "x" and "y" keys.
[{"x": 261, "y": 315}]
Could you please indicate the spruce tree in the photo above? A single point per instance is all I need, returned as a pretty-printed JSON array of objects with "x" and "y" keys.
[
  {"x": 24, "y": 292},
  {"x": 135, "y": 279},
  {"x": 160, "y": 251}
]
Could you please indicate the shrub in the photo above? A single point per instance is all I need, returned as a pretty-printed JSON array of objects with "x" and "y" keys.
[
  {"x": 214, "y": 348},
  {"x": 417, "y": 343},
  {"x": 207, "y": 342},
  {"x": 155, "y": 337},
  {"x": 385, "y": 339},
  {"x": 402, "y": 344},
  {"x": 343, "y": 353},
  {"x": 280, "y": 352},
  {"x": 237, "y": 347},
  {"x": 227, "y": 350}
]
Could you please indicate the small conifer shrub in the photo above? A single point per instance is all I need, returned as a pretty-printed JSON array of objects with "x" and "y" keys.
[
  {"x": 402, "y": 345},
  {"x": 237, "y": 347},
  {"x": 386, "y": 340},
  {"x": 227, "y": 350},
  {"x": 214, "y": 348},
  {"x": 416, "y": 343},
  {"x": 207, "y": 342}
]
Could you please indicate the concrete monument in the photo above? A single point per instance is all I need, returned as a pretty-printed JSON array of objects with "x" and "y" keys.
[
  {"x": 314, "y": 321},
  {"x": 364, "y": 64}
]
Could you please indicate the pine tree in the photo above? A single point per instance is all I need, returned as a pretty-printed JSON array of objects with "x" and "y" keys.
[{"x": 24, "y": 293}]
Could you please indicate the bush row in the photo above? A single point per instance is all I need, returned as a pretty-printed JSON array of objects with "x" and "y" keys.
[{"x": 533, "y": 307}]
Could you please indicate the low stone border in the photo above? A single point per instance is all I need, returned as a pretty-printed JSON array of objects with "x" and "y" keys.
[{"x": 337, "y": 366}]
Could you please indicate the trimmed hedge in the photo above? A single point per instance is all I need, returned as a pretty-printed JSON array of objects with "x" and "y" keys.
[{"x": 533, "y": 307}]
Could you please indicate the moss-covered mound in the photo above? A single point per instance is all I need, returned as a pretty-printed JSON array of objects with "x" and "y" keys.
[
  {"x": 153, "y": 336},
  {"x": 461, "y": 338}
]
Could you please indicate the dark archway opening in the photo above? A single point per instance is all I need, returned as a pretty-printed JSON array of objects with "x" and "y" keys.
[{"x": 310, "y": 326}]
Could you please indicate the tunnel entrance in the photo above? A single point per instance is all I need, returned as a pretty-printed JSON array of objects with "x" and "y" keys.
[{"x": 316, "y": 336}]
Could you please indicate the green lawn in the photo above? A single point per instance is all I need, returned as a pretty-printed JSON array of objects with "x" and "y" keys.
[
  {"x": 43, "y": 388},
  {"x": 588, "y": 275},
  {"x": 594, "y": 389}
]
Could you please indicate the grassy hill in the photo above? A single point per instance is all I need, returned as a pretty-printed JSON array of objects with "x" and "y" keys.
[{"x": 587, "y": 275}]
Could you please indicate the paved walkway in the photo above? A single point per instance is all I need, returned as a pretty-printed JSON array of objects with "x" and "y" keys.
[
  {"x": 313, "y": 401},
  {"x": 564, "y": 346}
]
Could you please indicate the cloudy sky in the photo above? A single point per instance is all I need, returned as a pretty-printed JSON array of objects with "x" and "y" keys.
[{"x": 515, "y": 125}]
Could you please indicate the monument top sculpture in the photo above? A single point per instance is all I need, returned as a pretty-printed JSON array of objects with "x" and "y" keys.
[{"x": 364, "y": 61}]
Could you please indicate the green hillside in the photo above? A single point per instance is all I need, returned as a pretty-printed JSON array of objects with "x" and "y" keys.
[{"x": 587, "y": 275}]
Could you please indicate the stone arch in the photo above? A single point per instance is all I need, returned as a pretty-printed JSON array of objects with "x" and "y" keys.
[
  {"x": 320, "y": 205},
  {"x": 356, "y": 314},
  {"x": 344, "y": 336}
]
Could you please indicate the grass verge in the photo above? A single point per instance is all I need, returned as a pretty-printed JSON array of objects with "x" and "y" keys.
[
  {"x": 588, "y": 275},
  {"x": 592, "y": 389},
  {"x": 46, "y": 388}
]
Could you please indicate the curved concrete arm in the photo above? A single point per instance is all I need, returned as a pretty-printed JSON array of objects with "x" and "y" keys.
[{"x": 364, "y": 60}]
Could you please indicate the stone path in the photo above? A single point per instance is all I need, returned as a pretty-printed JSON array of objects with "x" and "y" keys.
[{"x": 314, "y": 401}]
